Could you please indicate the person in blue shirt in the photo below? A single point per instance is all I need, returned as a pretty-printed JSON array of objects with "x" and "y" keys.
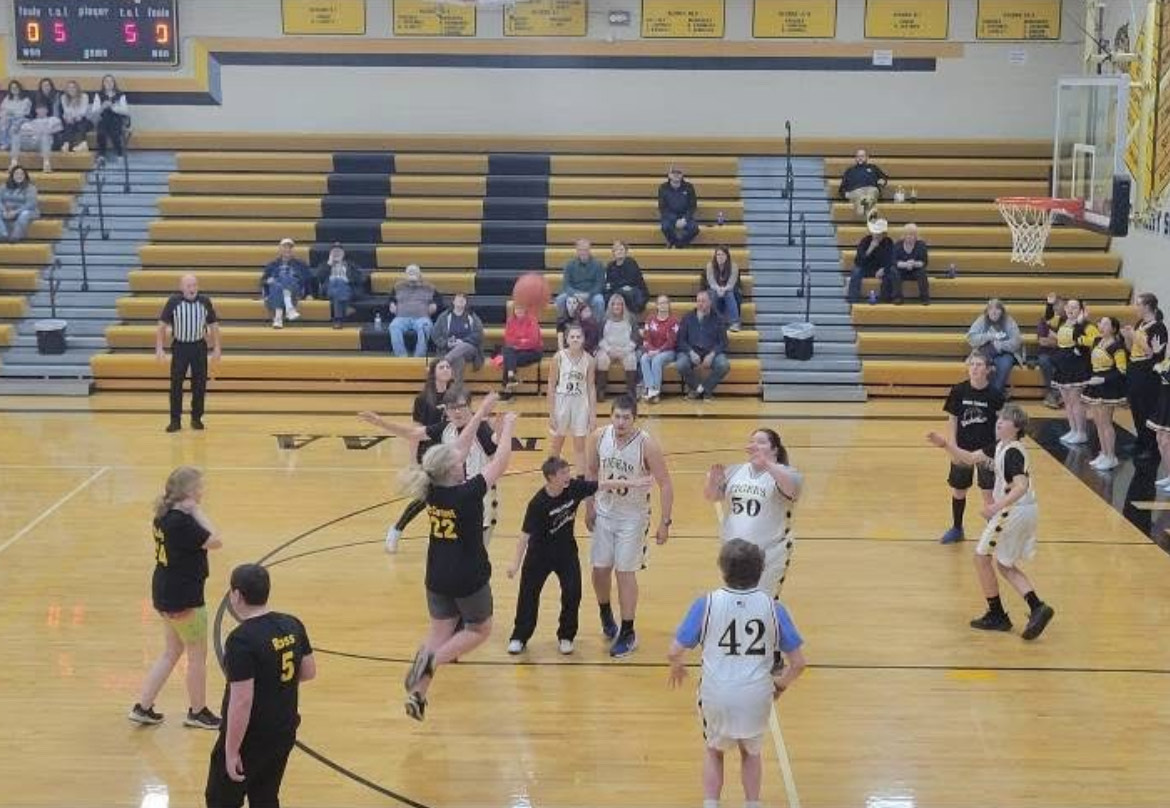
[{"x": 745, "y": 637}]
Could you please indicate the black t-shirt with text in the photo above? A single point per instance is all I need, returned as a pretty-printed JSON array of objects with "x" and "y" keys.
[
  {"x": 180, "y": 562},
  {"x": 549, "y": 520},
  {"x": 457, "y": 561},
  {"x": 1013, "y": 462},
  {"x": 267, "y": 649},
  {"x": 976, "y": 412}
]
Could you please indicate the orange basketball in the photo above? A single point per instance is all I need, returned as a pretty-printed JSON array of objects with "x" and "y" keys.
[{"x": 531, "y": 291}]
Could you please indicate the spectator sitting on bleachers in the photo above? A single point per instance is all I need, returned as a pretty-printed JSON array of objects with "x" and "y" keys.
[
  {"x": 721, "y": 279},
  {"x": 48, "y": 94},
  {"x": 623, "y": 277},
  {"x": 18, "y": 205},
  {"x": 341, "y": 282},
  {"x": 1045, "y": 356},
  {"x": 862, "y": 183},
  {"x": 677, "y": 203},
  {"x": 579, "y": 313},
  {"x": 583, "y": 277},
  {"x": 413, "y": 305},
  {"x": 458, "y": 336},
  {"x": 875, "y": 256},
  {"x": 997, "y": 336},
  {"x": 38, "y": 133},
  {"x": 523, "y": 345},
  {"x": 112, "y": 113},
  {"x": 659, "y": 338},
  {"x": 286, "y": 280},
  {"x": 910, "y": 261},
  {"x": 618, "y": 344},
  {"x": 702, "y": 343},
  {"x": 14, "y": 110},
  {"x": 75, "y": 122}
]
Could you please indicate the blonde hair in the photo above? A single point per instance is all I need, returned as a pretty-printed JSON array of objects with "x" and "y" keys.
[
  {"x": 415, "y": 480},
  {"x": 180, "y": 484}
]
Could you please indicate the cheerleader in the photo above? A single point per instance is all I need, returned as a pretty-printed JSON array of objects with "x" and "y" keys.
[
  {"x": 1074, "y": 339},
  {"x": 1010, "y": 535},
  {"x": 1159, "y": 422},
  {"x": 1106, "y": 389},
  {"x": 1146, "y": 342},
  {"x": 428, "y": 411}
]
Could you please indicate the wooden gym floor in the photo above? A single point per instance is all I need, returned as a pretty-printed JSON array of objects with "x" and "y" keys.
[{"x": 903, "y": 705}]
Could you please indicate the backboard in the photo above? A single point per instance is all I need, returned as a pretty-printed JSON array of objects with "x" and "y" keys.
[{"x": 1088, "y": 149}]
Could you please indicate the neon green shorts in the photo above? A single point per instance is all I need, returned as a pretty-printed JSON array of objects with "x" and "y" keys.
[{"x": 191, "y": 625}]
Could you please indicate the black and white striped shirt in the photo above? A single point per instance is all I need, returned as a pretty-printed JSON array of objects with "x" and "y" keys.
[{"x": 188, "y": 319}]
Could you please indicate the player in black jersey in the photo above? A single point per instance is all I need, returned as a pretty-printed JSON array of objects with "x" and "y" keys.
[
  {"x": 182, "y": 537},
  {"x": 972, "y": 408},
  {"x": 265, "y": 659}
]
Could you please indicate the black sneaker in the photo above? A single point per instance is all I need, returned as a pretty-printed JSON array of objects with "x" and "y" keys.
[
  {"x": 144, "y": 715},
  {"x": 992, "y": 622},
  {"x": 174, "y": 426},
  {"x": 204, "y": 719},
  {"x": 609, "y": 628},
  {"x": 416, "y": 706},
  {"x": 1038, "y": 621},
  {"x": 421, "y": 667},
  {"x": 196, "y": 423}
]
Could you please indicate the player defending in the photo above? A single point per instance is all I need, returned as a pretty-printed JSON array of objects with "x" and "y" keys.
[
  {"x": 620, "y": 519},
  {"x": 572, "y": 402},
  {"x": 1010, "y": 534},
  {"x": 740, "y": 629},
  {"x": 971, "y": 407}
]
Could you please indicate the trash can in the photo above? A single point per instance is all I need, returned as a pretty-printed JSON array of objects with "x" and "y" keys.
[
  {"x": 51, "y": 336},
  {"x": 798, "y": 341}
]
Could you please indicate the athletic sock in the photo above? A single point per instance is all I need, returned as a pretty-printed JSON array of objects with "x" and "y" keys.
[
  {"x": 957, "y": 508},
  {"x": 1033, "y": 601},
  {"x": 751, "y": 804},
  {"x": 995, "y": 606},
  {"x": 710, "y": 803},
  {"x": 627, "y": 627},
  {"x": 606, "y": 612}
]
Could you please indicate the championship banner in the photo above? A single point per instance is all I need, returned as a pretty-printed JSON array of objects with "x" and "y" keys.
[
  {"x": 906, "y": 19},
  {"x": 1018, "y": 19},
  {"x": 794, "y": 19},
  {"x": 430, "y": 18},
  {"x": 322, "y": 17},
  {"x": 682, "y": 19},
  {"x": 547, "y": 18}
]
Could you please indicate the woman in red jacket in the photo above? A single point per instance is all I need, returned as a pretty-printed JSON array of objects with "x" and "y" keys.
[
  {"x": 523, "y": 345},
  {"x": 659, "y": 337}
]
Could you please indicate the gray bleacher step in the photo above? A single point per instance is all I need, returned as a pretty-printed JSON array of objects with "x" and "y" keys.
[
  {"x": 833, "y": 363},
  {"x": 829, "y": 326},
  {"x": 73, "y": 357},
  {"x": 765, "y": 231},
  {"x": 790, "y": 303},
  {"x": 96, "y": 250},
  {"x": 74, "y": 312},
  {"x": 44, "y": 387},
  {"x": 74, "y": 340},
  {"x": 774, "y": 344},
  {"x": 69, "y": 284},
  {"x": 77, "y": 326},
  {"x": 769, "y": 162},
  {"x": 90, "y": 298},
  {"x": 816, "y": 391},
  {"x": 796, "y": 376},
  {"x": 95, "y": 260}
]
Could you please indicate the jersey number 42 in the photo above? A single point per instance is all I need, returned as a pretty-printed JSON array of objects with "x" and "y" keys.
[{"x": 736, "y": 634}]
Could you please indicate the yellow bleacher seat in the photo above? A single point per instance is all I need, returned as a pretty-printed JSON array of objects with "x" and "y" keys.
[
  {"x": 979, "y": 237},
  {"x": 903, "y": 170},
  {"x": 1029, "y": 288},
  {"x": 987, "y": 190},
  {"x": 961, "y": 315},
  {"x": 1000, "y": 262}
]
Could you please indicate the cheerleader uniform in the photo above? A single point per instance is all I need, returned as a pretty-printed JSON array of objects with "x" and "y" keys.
[
  {"x": 1109, "y": 363},
  {"x": 1142, "y": 382},
  {"x": 1071, "y": 368},
  {"x": 1160, "y": 420}
]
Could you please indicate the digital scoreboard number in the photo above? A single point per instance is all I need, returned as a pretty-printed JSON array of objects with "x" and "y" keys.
[{"x": 97, "y": 32}]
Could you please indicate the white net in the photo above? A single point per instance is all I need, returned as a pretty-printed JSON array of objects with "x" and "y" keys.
[{"x": 1030, "y": 226}]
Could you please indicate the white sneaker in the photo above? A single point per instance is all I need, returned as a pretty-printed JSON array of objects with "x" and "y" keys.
[
  {"x": 653, "y": 395},
  {"x": 392, "y": 537},
  {"x": 1107, "y": 464},
  {"x": 81, "y": 147},
  {"x": 1078, "y": 438},
  {"x": 1097, "y": 461},
  {"x": 47, "y": 168},
  {"x": 293, "y": 314},
  {"x": 516, "y": 647},
  {"x": 565, "y": 647},
  {"x": 278, "y": 319},
  {"x": 1163, "y": 483}
]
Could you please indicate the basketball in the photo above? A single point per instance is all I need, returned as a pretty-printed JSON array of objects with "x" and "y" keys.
[{"x": 531, "y": 291}]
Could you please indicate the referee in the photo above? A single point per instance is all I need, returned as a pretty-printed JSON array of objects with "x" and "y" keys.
[{"x": 191, "y": 317}]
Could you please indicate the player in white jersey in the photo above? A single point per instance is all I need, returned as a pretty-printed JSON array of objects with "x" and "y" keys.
[
  {"x": 1010, "y": 536},
  {"x": 572, "y": 402},
  {"x": 740, "y": 628},
  {"x": 620, "y": 518},
  {"x": 757, "y": 501},
  {"x": 457, "y": 405}
]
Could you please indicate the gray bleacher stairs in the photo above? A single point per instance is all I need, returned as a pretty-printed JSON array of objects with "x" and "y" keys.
[
  {"x": 128, "y": 216},
  {"x": 834, "y": 372}
]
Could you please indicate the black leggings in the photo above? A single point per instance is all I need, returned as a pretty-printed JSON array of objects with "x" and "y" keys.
[{"x": 415, "y": 507}]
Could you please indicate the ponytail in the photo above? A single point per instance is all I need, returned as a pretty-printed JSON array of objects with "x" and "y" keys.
[
  {"x": 415, "y": 480},
  {"x": 180, "y": 484},
  {"x": 1150, "y": 301}
]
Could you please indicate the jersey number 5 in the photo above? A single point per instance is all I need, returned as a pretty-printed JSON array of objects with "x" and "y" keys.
[
  {"x": 753, "y": 631},
  {"x": 287, "y": 669}
]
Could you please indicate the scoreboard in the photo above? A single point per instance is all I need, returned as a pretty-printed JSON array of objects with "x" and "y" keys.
[{"x": 96, "y": 31}]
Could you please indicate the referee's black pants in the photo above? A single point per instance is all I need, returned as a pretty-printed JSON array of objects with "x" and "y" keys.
[
  {"x": 264, "y": 761},
  {"x": 184, "y": 356},
  {"x": 538, "y": 565},
  {"x": 1144, "y": 388}
]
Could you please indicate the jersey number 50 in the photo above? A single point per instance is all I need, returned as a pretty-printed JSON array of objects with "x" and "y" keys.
[
  {"x": 753, "y": 633},
  {"x": 740, "y": 505}
]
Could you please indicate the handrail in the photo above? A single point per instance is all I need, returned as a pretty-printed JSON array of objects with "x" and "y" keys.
[
  {"x": 83, "y": 231},
  {"x": 54, "y": 285},
  {"x": 99, "y": 182},
  {"x": 789, "y": 180}
]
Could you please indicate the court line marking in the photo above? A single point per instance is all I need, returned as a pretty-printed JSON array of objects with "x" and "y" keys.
[
  {"x": 782, "y": 757},
  {"x": 49, "y": 511}
]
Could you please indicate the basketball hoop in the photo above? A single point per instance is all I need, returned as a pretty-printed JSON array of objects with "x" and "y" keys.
[{"x": 1030, "y": 219}]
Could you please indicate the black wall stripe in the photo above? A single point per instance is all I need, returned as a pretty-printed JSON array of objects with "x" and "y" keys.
[
  {"x": 354, "y": 207},
  {"x": 363, "y": 163},
  {"x": 359, "y": 184},
  {"x": 350, "y": 230}
]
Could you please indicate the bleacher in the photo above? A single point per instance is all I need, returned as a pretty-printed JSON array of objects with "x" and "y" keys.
[
  {"x": 918, "y": 350},
  {"x": 472, "y": 221}
]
